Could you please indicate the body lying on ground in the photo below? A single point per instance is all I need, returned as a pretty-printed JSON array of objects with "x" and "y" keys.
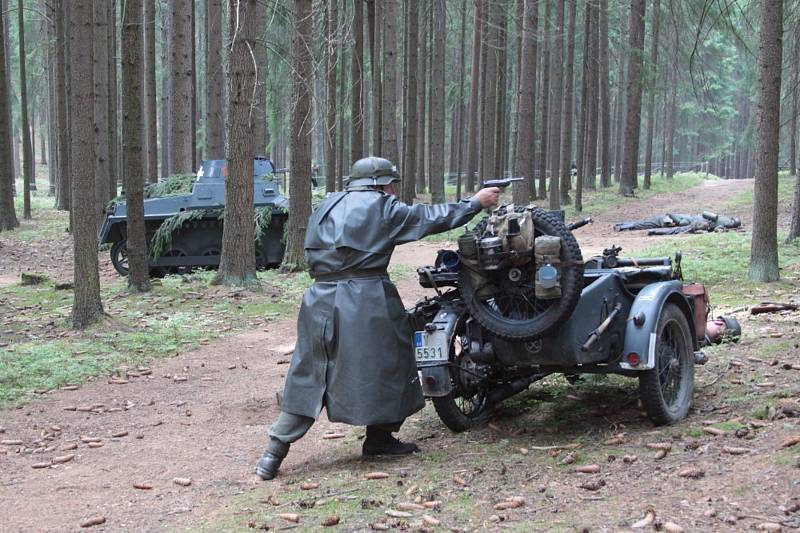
[{"x": 675, "y": 223}]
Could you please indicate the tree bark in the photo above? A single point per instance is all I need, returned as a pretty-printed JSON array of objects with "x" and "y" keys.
[
  {"x": 8, "y": 216},
  {"x": 357, "y": 84},
  {"x": 672, "y": 110},
  {"x": 165, "y": 126},
  {"x": 591, "y": 103},
  {"x": 488, "y": 155},
  {"x": 238, "y": 259},
  {"x": 64, "y": 189},
  {"x": 215, "y": 90},
  {"x": 584, "y": 113},
  {"x": 133, "y": 133},
  {"x": 300, "y": 186},
  {"x": 764, "y": 244},
  {"x": 652, "y": 77},
  {"x": 422, "y": 88},
  {"x": 459, "y": 133},
  {"x": 472, "y": 131},
  {"x": 27, "y": 151},
  {"x": 556, "y": 82},
  {"x": 150, "y": 102},
  {"x": 437, "y": 103},
  {"x": 500, "y": 137},
  {"x": 633, "y": 111},
  {"x": 545, "y": 99},
  {"x": 86, "y": 307},
  {"x": 374, "y": 21},
  {"x": 619, "y": 111},
  {"x": 569, "y": 95},
  {"x": 523, "y": 164},
  {"x": 410, "y": 118},
  {"x": 101, "y": 139},
  {"x": 389, "y": 17},
  {"x": 605, "y": 99},
  {"x": 331, "y": 61},
  {"x": 182, "y": 120},
  {"x": 114, "y": 149}
]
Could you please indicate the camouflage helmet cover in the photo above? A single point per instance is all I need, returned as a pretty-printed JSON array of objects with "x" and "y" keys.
[{"x": 372, "y": 171}]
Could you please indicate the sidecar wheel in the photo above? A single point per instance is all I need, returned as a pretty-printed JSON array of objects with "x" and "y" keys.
[
  {"x": 666, "y": 391},
  {"x": 460, "y": 412}
]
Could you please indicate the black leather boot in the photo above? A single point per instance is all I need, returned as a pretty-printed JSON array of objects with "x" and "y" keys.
[
  {"x": 381, "y": 442},
  {"x": 269, "y": 463}
]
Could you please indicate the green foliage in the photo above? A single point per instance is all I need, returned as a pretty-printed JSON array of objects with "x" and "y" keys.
[
  {"x": 172, "y": 186},
  {"x": 162, "y": 239}
]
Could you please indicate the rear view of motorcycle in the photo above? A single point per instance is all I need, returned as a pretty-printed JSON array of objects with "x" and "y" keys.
[{"x": 516, "y": 302}]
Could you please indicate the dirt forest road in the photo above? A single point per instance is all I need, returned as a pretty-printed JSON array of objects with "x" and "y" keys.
[{"x": 169, "y": 446}]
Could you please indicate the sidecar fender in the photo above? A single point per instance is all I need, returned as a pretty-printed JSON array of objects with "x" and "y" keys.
[
  {"x": 641, "y": 330},
  {"x": 435, "y": 381}
]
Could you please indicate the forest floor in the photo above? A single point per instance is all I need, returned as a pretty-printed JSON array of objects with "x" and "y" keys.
[{"x": 171, "y": 442}]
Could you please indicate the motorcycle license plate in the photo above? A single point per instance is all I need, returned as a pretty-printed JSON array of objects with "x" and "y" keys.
[{"x": 430, "y": 347}]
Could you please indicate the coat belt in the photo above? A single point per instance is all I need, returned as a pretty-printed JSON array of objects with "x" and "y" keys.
[{"x": 350, "y": 274}]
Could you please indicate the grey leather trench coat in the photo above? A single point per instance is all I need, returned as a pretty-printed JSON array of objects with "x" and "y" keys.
[{"x": 354, "y": 350}]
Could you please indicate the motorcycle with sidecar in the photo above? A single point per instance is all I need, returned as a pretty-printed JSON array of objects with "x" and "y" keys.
[{"x": 516, "y": 302}]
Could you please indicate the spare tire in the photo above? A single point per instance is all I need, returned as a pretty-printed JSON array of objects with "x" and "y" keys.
[{"x": 512, "y": 310}]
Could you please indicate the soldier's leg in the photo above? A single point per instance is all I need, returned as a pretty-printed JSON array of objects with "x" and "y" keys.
[
  {"x": 380, "y": 441},
  {"x": 287, "y": 429}
]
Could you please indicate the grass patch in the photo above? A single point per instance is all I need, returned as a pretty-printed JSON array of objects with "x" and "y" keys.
[
  {"x": 785, "y": 191},
  {"x": 46, "y": 223},
  {"x": 720, "y": 261}
]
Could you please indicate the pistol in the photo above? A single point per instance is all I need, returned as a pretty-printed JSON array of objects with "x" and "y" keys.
[{"x": 503, "y": 183}]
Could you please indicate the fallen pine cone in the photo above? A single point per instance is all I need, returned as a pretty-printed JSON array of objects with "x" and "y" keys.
[
  {"x": 10, "y": 442},
  {"x": 733, "y": 450},
  {"x": 329, "y": 436},
  {"x": 119, "y": 434},
  {"x": 98, "y": 444},
  {"x": 672, "y": 527},
  {"x": 40, "y": 465},
  {"x": 692, "y": 473},
  {"x": 791, "y": 441},
  {"x": 510, "y": 503},
  {"x": 182, "y": 481},
  {"x": 594, "y": 484},
  {"x": 87, "y": 440},
  {"x": 649, "y": 518},
  {"x": 666, "y": 446},
  {"x": 93, "y": 521},
  {"x": 376, "y": 475},
  {"x": 63, "y": 458},
  {"x": 615, "y": 440},
  {"x": 459, "y": 480},
  {"x": 290, "y": 517},
  {"x": 660, "y": 454},
  {"x": 408, "y": 506},
  {"x": 433, "y": 504},
  {"x": 629, "y": 459},
  {"x": 398, "y": 514},
  {"x": 568, "y": 459},
  {"x": 431, "y": 521},
  {"x": 330, "y": 521},
  {"x": 142, "y": 486},
  {"x": 68, "y": 447},
  {"x": 769, "y": 526},
  {"x": 309, "y": 486},
  {"x": 714, "y": 431},
  {"x": 379, "y": 526},
  {"x": 588, "y": 469}
]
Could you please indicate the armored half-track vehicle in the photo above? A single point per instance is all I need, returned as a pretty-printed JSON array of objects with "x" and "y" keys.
[{"x": 184, "y": 231}]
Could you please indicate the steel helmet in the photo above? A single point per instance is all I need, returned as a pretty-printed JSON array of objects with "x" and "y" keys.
[{"x": 372, "y": 171}]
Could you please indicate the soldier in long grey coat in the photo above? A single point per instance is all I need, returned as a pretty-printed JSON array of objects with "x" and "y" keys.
[{"x": 354, "y": 352}]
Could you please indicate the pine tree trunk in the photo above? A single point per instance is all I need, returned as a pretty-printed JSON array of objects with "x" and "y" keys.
[
  {"x": 437, "y": 111},
  {"x": 331, "y": 61},
  {"x": 488, "y": 153},
  {"x": 389, "y": 148},
  {"x": 87, "y": 307},
  {"x": 793, "y": 119},
  {"x": 27, "y": 151},
  {"x": 150, "y": 102},
  {"x": 52, "y": 99},
  {"x": 374, "y": 21},
  {"x": 114, "y": 149},
  {"x": 410, "y": 118},
  {"x": 567, "y": 106},
  {"x": 101, "y": 171},
  {"x": 459, "y": 133},
  {"x": 300, "y": 164},
  {"x": 633, "y": 98},
  {"x": 357, "y": 86},
  {"x": 557, "y": 95},
  {"x": 671, "y": 112},
  {"x": 523, "y": 164},
  {"x": 341, "y": 167},
  {"x": 545, "y": 100},
  {"x": 619, "y": 111},
  {"x": 605, "y": 99},
  {"x": 651, "y": 97},
  {"x": 519, "y": 20},
  {"x": 64, "y": 189},
  {"x": 422, "y": 91},
  {"x": 764, "y": 244},
  {"x": 584, "y": 112},
  {"x": 238, "y": 260},
  {"x": 500, "y": 143},
  {"x": 133, "y": 132},
  {"x": 474, "y": 97},
  {"x": 164, "y": 126},
  {"x": 593, "y": 115},
  {"x": 182, "y": 121},
  {"x": 8, "y": 216},
  {"x": 215, "y": 89}
]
